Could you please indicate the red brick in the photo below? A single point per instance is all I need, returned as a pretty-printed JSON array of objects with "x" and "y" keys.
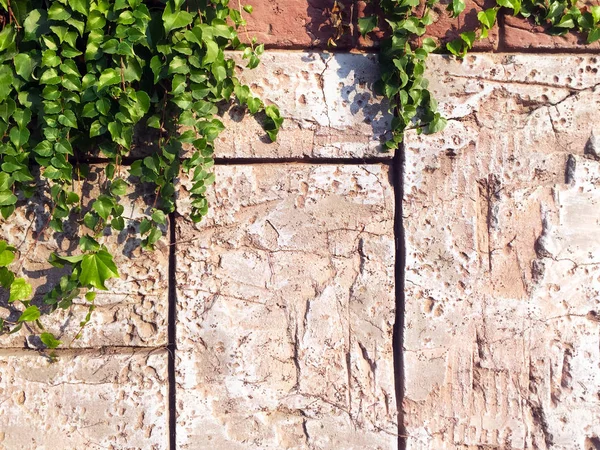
[
  {"x": 296, "y": 23},
  {"x": 521, "y": 34},
  {"x": 446, "y": 29}
]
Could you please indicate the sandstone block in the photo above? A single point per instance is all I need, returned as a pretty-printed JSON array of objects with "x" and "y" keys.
[
  {"x": 113, "y": 400},
  {"x": 502, "y": 275},
  {"x": 285, "y": 311},
  {"x": 132, "y": 312},
  {"x": 521, "y": 34},
  {"x": 328, "y": 103},
  {"x": 297, "y": 23},
  {"x": 444, "y": 28}
]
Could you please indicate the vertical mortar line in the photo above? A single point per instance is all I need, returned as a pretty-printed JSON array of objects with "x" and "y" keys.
[
  {"x": 399, "y": 269},
  {"x": 171, "y": 331},
  {"x": 500, "y": 47}
]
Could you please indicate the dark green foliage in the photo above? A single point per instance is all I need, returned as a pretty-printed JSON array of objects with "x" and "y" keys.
[{"x": 78, "y": 79}]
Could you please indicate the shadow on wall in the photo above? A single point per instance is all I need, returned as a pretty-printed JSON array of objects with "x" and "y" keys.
[{"x": 331, "y": 19}]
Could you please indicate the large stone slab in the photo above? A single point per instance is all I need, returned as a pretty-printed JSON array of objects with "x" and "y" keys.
[
  {"x": 113, "y": 400},
  {"x": 326, "y": 99},
  {"x": 503, "y": 261},
  {"x": 134, "y": 309},
  {"x": 286, "y": 301}
]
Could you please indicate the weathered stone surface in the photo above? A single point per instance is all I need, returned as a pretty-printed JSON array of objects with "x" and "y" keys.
[
  {"x": 132, "y": 312},
  {"x": 285, "y": 311},
  {"x": 502, "y": 272},
  {"x": 112, "y": 400},
  {"x": 521, "y": 34},
  {"x": 327, "y": 101}
]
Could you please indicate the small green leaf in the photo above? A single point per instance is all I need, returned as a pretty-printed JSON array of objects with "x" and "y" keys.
[
  {"x": 119, "y": 187},
  {"x": 103, "y": 206},
  {"x": 24, "y": 65},
  {"x": 20, "y": 289},
  {"x": 97, "y": 268},
  {"x": 108, "y": 78},
  {"x": 175, "y": 19},
  {"x": 31, "y": 313},
  {"x": 6, "y": 257},
  {"x": 367, "y": 24},
  {"x": 49, "y": 340},
  {"x": 7, "y": 198},
  {"x": 456, "y": 7}
]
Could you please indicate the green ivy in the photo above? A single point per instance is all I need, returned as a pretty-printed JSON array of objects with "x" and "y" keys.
[
  {"x": 78, "y": 80},
  {"x": 405, "y": 49}
]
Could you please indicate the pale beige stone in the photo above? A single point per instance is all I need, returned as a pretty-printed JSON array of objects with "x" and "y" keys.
[
  {"x": 109, "y": 400},
  {"x": 502, "y": 278},
  {"x": 286, "y": 301},
  {"x": 134, "y": 309},
  {"x": 327, "y": 101}
]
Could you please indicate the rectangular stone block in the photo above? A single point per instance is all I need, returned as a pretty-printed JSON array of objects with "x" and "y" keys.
[
  {"x": 521, "y": 34},
  {"x": 502, "y": 270},
  {"x": 134, "y": 309},
  {"x": 327, "y": 101},
  {"x": 298, "y": 24},
  {"x": 444, "y": 28},
  {"x": 286, "y": 304},
  {"x": 111, "y": 399}
]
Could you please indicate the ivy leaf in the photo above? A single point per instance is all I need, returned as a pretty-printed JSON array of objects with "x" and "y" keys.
[
  {"x": 7, "y": 37},
  {"x": 68, "y": 119},
  {"x": 456, "y": 7},
  {"x": 429, "y": 45},
  {"x": 367, "y": 24},
  {"x": 35, "y": 24},
  {"x": 20, "y": 290},
  {"x": 19, "y": 136},
  {"x": 593, "y": 36},
  {"x": 7, "y": 198},
  {"x": 119, "y": 187},
  {"x": 6, "y": 277},
  {"x": 6, "y": 257},
  {"x": 24, "y": 65},
  {"x": 103, "y": 206},
  {"x": 97, "y": 268},
  {"x": 108, "y": 78},
  {"x": 31, "y": 313},
  {"x": 159, "y": 217},
  {"x": 175, "y": 19},
  {"x": 49, "y": 340},
  {"x": 488, "y": 17}
]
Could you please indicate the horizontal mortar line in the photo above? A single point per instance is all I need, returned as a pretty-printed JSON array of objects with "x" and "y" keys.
[
  {"x": 507, "y": 51},
  {"x": 105, "y": 349},
  {"x": 303, "y": 160},
  {"x": 221, "y": 161}
]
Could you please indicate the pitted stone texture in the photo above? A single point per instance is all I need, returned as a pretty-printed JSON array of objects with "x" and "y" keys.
[
  {"x": 502, "y": 278},
  {"x": 118, "y": 320},
  {"x": 112, "y": 400},
  {"x": 327, "y": 101},
  {"x": 285, "y": 311},
  {"x": 132, "y": 312}
]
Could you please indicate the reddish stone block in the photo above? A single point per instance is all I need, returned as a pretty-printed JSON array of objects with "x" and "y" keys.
[
  {"x": 521, "y": 34},
  {"x": 445, "y": 28},
  {"x": 298, "y": 23}
]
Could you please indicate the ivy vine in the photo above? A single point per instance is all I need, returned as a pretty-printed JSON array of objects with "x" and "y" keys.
[
  {"x": 78, "y": 80},
  {"x": 405, "y": 48}
]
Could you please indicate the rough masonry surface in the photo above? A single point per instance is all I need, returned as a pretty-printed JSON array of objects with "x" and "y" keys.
[
  {"x": 285, "y": 311},
  {"x": 501, "y": 213}
]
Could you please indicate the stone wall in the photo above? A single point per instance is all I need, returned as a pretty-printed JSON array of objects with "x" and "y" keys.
[{"x": 337, "y": 297}]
